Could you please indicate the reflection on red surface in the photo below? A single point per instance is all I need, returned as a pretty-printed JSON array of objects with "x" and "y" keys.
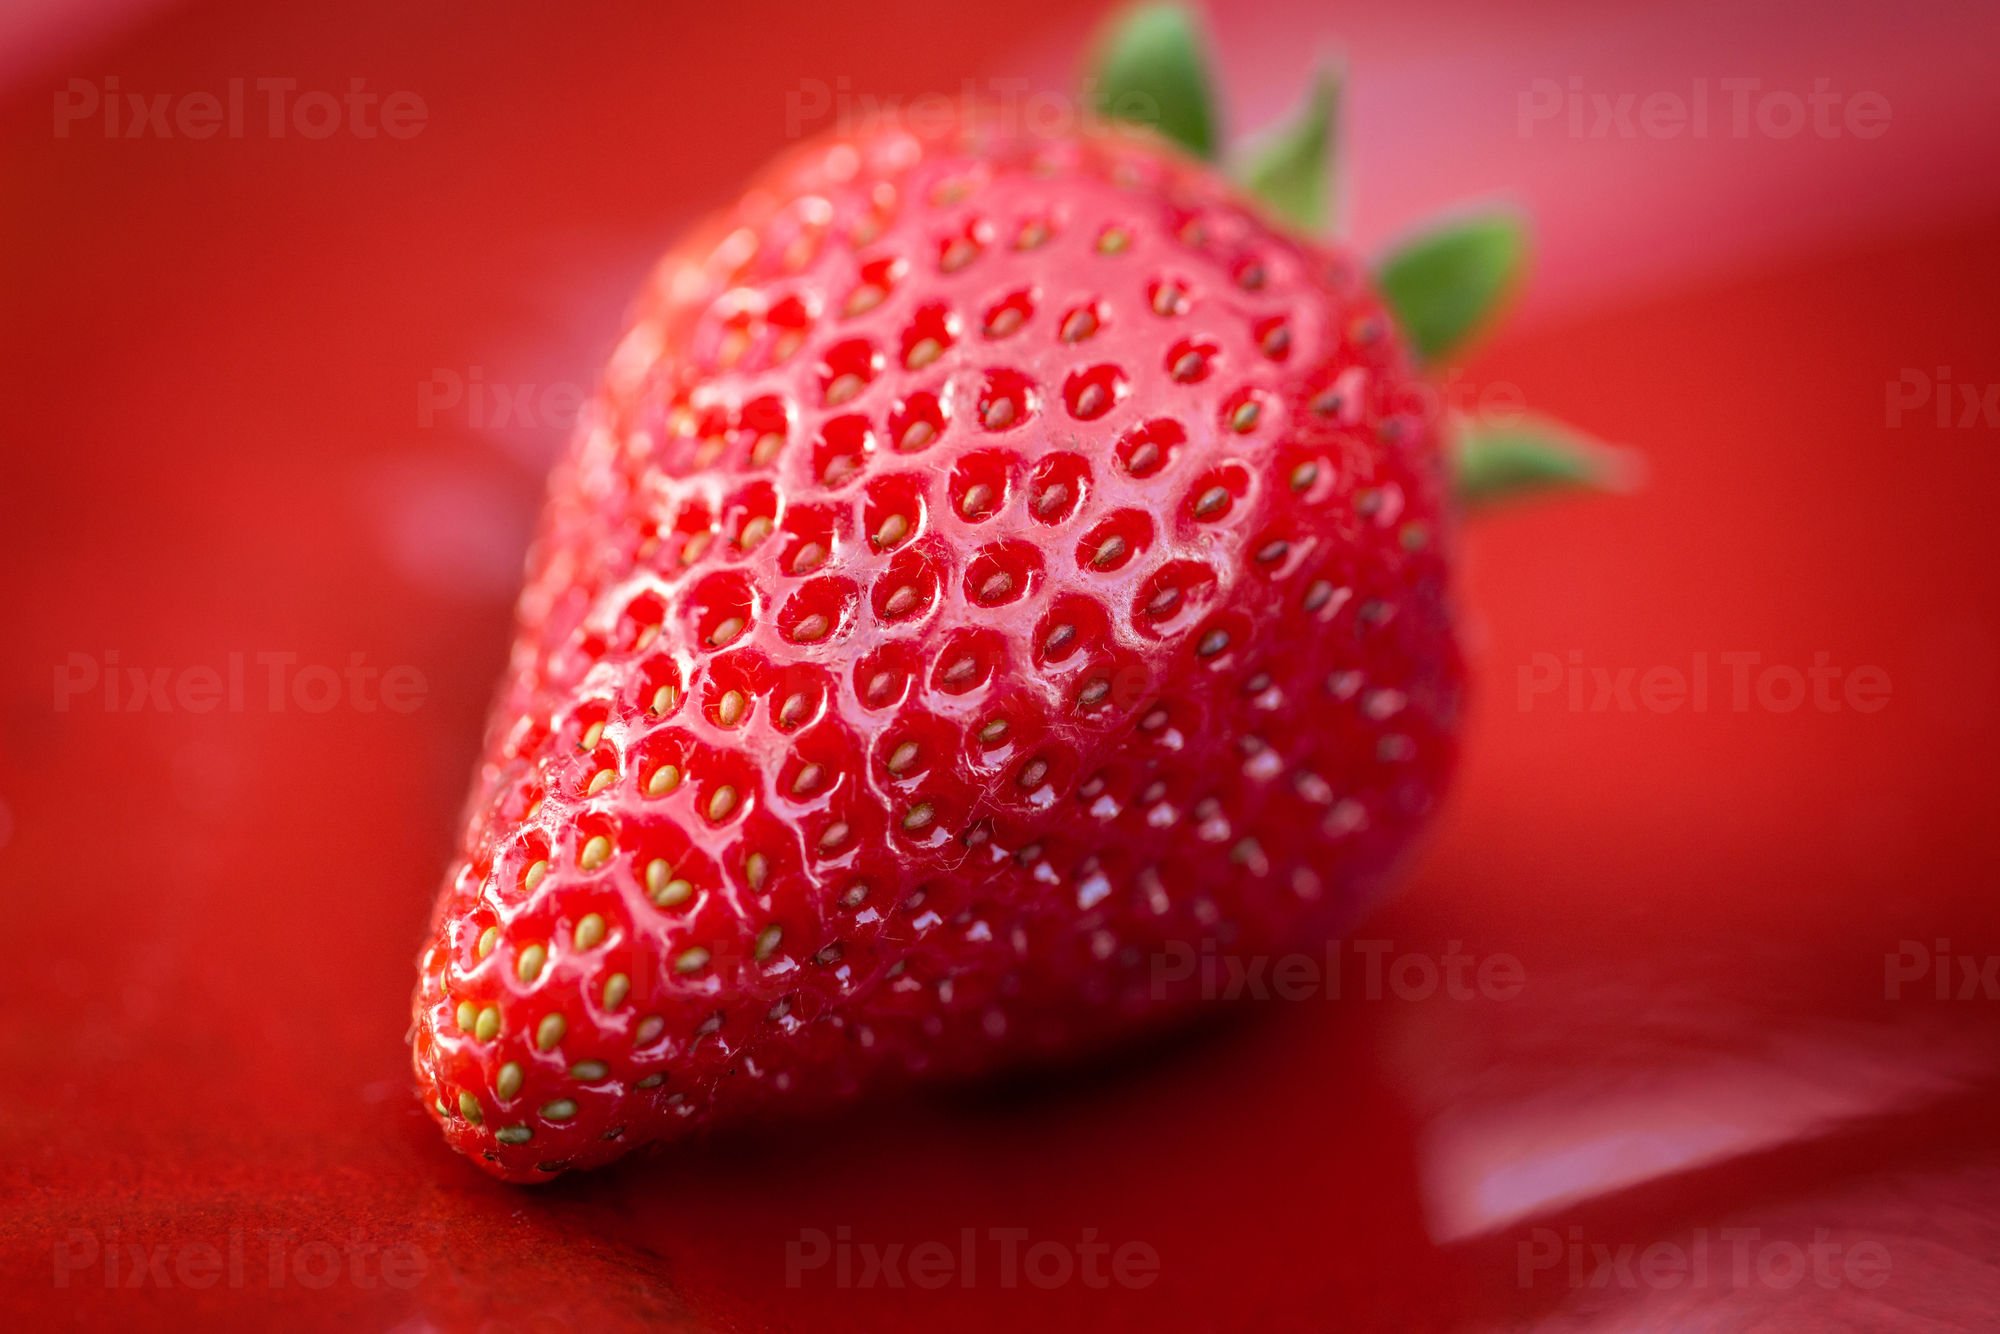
[{"x": 220, "y": 353}]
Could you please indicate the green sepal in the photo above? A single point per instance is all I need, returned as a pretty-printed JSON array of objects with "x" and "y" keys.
[
  {"x": 1292, "y": 170},
  {"x": 1495, "y": 462},
  {"x": 1152, "y": 69},
  {"x": 1446, "y": 283}
]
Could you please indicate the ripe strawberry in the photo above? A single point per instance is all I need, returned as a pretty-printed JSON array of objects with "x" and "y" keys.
[{"x": 992, "y": 561}]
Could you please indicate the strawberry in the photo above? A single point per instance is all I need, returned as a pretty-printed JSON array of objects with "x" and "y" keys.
[{"x": 993, "y": 562}]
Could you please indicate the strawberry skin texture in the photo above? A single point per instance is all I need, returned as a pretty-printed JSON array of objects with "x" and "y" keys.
[{"x": 993, "y": 566}]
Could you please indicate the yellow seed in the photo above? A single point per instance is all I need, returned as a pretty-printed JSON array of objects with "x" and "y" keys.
[
  {"x": 508, "y": 1082},
  {"x": 767, "y": 941},
  {"x": 1211, "y": 500},
  {"x": 1078, "y": 325},
  {"x": 726, "y": 631},
  {"x": 561, "y": 1109},
  {"x": 488, "y": 1026},
  {"x": 810, "y": 557},
  {"x": 975, "y": 500},
  {"x": 649, "y": 1028},
  {"x": 997, "y": 586},
  {"x": 595, "y": 853},
  {"x": 615, "y": 988},
  {"x": 1004, "y": 322},
  {"x": 691, "y": 961},
  {"x": 1243, "y": 418},
  {"x": 651, "y": 1082},
  {"x": 550, "y": 1031},
  {"x": 468, "y": 1107},
  {"x": 902, "y": 757},
  {"x": 734, "y": 344},
  {"x": 999, "y": 414},
  {"x": 468, "y": 1015},
  {"x": 531, "y": 962},
  {"x": 958, "y": 254},
  {"x": 794, "y": 710},
  {"x": 864, "y": 299},
  {"x": 754, "y": 532},
  {"x": 664, "y": 780},
  {"x": 923, "y": 353},
  {"x": 730, "y": 710},
  {"x": 900, "y": 601},
  {"x": 487, "y": 940},
  {"x": 592, "y": 735},
  {"x": 533, "y": 877},
  {"x": 756, "y": 868},
  {"x": 663, "y": 699},
  {"x": 993, "y": 731},
  {"x": 807, "y": 780},
  {"x": 598, "y": 782},
  {"x": 766, "y": 448},
  {"x": 722, "y": 803},
  {"x": 1108, "y": 551},
  {"x": 589, "y": 932},
  {"x": 589, "y": 1072},
  {"x": 916, "y": 435},
  {"x": 812, "y": 629},
  {"x": 1113, "y": 241},
  {"x": 893, "y": 530},
  {"x": 514, "y": 1135},
  {"x": 835, "y": 835},
  {"x": 843, "y": 388},
  {"x": 661, "y": 885},
  {"x": 920, "y": 817}
]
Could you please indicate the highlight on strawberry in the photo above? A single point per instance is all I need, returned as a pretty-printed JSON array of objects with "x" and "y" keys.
[{"x": 993, "y": 562}]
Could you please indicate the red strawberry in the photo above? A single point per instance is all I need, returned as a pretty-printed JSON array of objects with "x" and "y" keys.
[{"x": 992, "y": 561}]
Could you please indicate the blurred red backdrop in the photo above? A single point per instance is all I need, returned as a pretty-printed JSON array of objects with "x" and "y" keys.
[{"x": 266, "y": 397}]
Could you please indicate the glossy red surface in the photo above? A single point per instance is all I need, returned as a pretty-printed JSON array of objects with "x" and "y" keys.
[{"x": 1727, "y": 919}]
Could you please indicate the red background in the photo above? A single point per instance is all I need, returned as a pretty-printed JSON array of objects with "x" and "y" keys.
[{"x": 215, "y": 351}]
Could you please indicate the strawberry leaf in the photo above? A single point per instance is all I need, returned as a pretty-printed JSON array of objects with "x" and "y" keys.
[
  {"x": 1292, "y": 169},
  {"x": 1448, "y": 282},
  {"x": 1153, "y": 70},
  {"x": 1496, "y": 462}
]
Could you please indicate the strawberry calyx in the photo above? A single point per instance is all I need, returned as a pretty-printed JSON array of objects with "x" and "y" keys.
[{"x": 1446, "y": 284}]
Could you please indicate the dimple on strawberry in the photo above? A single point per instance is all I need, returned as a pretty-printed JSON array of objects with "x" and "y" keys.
[{"x": 996, "y": 562}]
